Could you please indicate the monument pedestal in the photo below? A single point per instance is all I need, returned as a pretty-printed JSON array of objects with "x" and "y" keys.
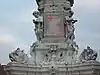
[
  {"x": 43, "y": 53},
  {"x": 88, "y": 68}
]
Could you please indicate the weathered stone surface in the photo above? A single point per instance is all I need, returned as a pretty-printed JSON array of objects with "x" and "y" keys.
[{"x": 54, "y": 52}]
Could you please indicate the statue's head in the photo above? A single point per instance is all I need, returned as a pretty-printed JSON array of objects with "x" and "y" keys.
[
  {"x": 88, "y": 47},
  {"x": 36, "y": 14},
  {"x": 18, "y": 48}
]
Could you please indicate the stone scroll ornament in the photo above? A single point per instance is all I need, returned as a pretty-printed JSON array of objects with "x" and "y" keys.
[{"x": 18, "y": 56}]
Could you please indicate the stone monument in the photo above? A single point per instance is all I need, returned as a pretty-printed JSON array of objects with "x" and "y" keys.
[{"x": 54, "y": 52}]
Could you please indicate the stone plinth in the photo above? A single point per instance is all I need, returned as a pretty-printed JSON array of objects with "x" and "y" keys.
[
  {"x": 89, "y": 68},
  {"x": 68, "y": 54}
]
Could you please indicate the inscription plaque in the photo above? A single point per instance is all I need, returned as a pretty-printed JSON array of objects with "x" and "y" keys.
[{"x": 53, "y": 24}]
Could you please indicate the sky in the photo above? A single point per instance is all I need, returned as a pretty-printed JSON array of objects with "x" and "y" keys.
[{"x": 17, "y": 29}]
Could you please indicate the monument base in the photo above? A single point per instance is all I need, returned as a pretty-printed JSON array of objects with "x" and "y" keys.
[
  {"x": 43, "y": 53},
  {"x": 87, "y": 68}
]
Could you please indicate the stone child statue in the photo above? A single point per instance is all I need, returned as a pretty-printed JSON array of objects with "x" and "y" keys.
[{"x": 38, "y": 25}]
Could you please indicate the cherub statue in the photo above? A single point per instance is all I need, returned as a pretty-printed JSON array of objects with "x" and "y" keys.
[{"x": 38, "y": 25}]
